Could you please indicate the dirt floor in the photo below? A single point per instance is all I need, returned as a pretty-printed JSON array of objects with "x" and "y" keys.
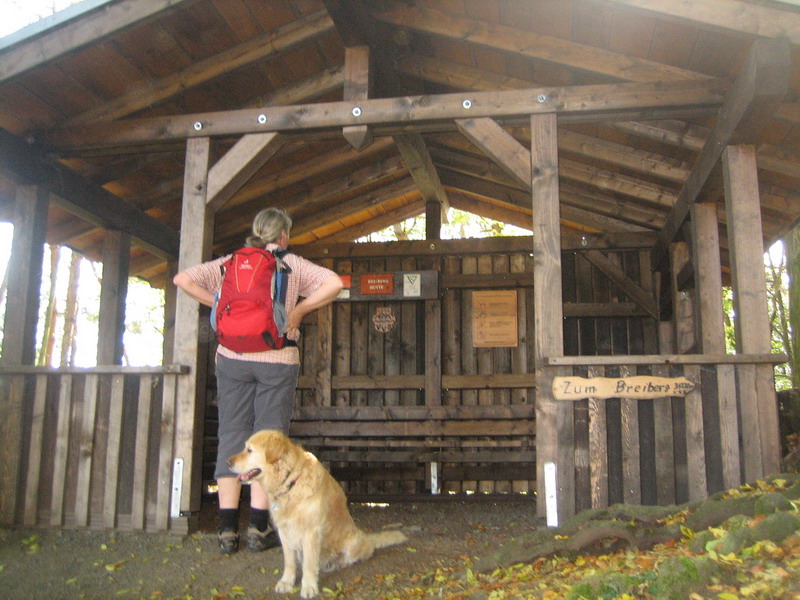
[{"x": 444, "y": 538}]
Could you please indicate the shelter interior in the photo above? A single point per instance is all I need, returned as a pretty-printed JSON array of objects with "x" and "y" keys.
[{"x": 651, "y": 147}]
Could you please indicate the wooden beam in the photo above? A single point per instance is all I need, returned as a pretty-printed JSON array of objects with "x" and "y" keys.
[
  {"x": 350, "y": 22},
  {"x": 548, "y": 314},
  {"x": 710, "y": 319},
  {"x": 238, "y": 165},
  {"x": 186, "y": 411},
  {"x": 21, "y": 163},
  {"x": 156, "y": 92},
  {"x": 357, "y": 87},
  {"x": 252, "y": 193},
  {"x": 499, "y": 145},
  {"x": 89, "y": 29},
  {"x": 590, "y": 102},
  {"x": 462, "y": 200},
  {"x": 113, "y": 294},
  {"x": 760, "y": 433},
  {"x": 730, "y": 15},
  {"x": 617, "y": 276},
  {"x": 351, "y": 207},
  {"x": 19, "y": 338},
  {"x": 648, "y": 163},
  {"x": 756, "y": 94},
  {"x": 419, "y": 163},
  {"x": 531, "y": 45},
  {"x": 382, "y": 221}
]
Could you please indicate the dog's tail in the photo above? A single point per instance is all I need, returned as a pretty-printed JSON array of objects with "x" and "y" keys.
[{"x": 386, "y": 538}]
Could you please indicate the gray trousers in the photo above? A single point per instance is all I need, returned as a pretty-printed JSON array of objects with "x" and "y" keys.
[{"x": 251, "y": 396}]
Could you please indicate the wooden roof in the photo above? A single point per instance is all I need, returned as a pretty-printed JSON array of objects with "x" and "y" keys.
[{"x": 97, "y": 109}]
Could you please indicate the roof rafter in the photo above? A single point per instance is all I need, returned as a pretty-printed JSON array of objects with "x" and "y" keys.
[
  {"x": 90, "y": 28},
  {"x": 542, "y": 47},
  {"x": 731, "y": 15},
  {"x": 758, "y": 91},
  {"x": 153, "y": 93}
]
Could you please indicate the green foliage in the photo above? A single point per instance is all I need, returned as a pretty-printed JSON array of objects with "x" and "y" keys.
[{"x": 460, "y": 225}]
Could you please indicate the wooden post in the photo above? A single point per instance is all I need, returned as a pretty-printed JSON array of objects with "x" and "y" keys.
[
  {"x": 682, "y": 306},
  {"x": 196, "y": 237},
  {"x": 324, "y": 349},
  {"x": 548, "y": 313},
  {"x": 745, "y": 239},
  {"x": 357, "y": 87},
  {"x": 114, "y": 289},
  {"x": 433, "y": 220},
  {"x": 170, "y": 299},
  {"x": 711, "y": 333},
  {"x": 19, "y": 335},
  {"x": 25, "y": 276}
]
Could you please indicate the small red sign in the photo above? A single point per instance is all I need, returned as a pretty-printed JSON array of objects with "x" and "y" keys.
[
  {"x": 345, "y": 281},
  {"x": 376, "y": 284}
]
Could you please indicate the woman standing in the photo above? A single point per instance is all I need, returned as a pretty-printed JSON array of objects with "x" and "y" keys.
[{"x": 255, "y": 390}]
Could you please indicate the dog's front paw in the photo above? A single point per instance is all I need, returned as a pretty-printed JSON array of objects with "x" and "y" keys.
[
  {"x": 284, "y": 586},
  {"x": 309, "y": 589}
]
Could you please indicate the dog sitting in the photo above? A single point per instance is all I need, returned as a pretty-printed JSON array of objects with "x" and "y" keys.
[{"x": 309, "y": 510}]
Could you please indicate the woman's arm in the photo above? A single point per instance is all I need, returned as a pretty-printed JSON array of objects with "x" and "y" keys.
[
  {"x": 199, "y": 293},
  {"x": 323, "y": 295}
]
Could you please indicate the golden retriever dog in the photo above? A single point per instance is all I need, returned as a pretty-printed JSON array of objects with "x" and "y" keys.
[{"x": 309, "y": 510}]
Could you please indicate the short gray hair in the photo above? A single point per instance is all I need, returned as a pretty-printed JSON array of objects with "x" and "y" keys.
[{"x": 268, "y": 226}]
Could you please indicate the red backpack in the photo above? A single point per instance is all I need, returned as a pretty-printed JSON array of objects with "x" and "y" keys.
[{"x": 249, "y": 314}]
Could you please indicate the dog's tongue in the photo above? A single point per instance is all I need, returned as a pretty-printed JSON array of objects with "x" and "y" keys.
[{"x": 244, "y": 477}]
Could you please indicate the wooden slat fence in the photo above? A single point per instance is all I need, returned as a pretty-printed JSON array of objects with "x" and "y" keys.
[
  {"x": 664, "y": 450},
  {"x": 419, "y": 449},
  {"x": 97, "y": 449}
]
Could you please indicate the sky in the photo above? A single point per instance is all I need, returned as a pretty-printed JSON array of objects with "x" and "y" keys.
[{"x": 16, "y": 14}]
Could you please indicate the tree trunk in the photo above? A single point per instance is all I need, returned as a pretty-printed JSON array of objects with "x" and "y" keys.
[
  {"x": 71, "y": 313},
  {"x": 792, "y": 243},
  {"x": 48, "y": 332}
]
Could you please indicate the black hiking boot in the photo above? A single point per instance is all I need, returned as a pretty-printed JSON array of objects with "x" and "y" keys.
[
  {"x": 258, "y": 541},
  {"x": 228, "y": 541}
]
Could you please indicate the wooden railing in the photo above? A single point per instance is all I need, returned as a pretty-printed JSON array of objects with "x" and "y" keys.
[
  {"x": 662, "y": 450},
  {"x": 95, "y": 446}
]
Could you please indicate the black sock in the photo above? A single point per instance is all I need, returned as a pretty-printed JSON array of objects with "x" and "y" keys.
[
  {"x": 229, "y": 519},
  {"x": 259, "y": 518}
]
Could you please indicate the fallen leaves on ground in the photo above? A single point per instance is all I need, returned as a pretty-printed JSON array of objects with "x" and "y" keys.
[{"x": 745, "y": 557}]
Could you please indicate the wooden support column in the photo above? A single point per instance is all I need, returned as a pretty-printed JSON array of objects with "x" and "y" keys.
[
  {"x": 19, "y": 336},
  {"x": 170, "y": 299},
  {"x": 357, "y": 87},
  {"x": 759, "y": 410},
  {"x": 324, "y": 349},
  {"x": 711, "y": 336},
  {"x": 553, "y": 420},
  {"x": 113, "y": 292},
  {"x": 433, "y": 220},
  {"x": 197, "y": 224},
  {"x": 682, "y": 305}
]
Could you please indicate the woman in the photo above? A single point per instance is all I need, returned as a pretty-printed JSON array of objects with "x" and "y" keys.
[{"x": 255, "y": 390}]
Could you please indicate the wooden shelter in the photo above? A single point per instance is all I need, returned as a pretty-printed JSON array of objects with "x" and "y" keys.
[{"x": 651, "y": 148}]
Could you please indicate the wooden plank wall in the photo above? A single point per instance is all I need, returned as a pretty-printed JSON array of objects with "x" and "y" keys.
[
  {"x": 396, "y": 370},
  {"x": 488, "y": 449},
  {"x": 362, "y": 403},
  {"x": 98, "y": 450}
]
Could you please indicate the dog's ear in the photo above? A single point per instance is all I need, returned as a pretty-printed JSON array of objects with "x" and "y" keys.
[{"x": 276, "y": 445}]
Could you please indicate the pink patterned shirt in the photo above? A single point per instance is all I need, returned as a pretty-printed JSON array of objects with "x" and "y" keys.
[{"x": 305, "y": 278}]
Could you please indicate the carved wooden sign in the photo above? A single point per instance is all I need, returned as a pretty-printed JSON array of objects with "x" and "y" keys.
[{"x": 640, "y": 387}]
